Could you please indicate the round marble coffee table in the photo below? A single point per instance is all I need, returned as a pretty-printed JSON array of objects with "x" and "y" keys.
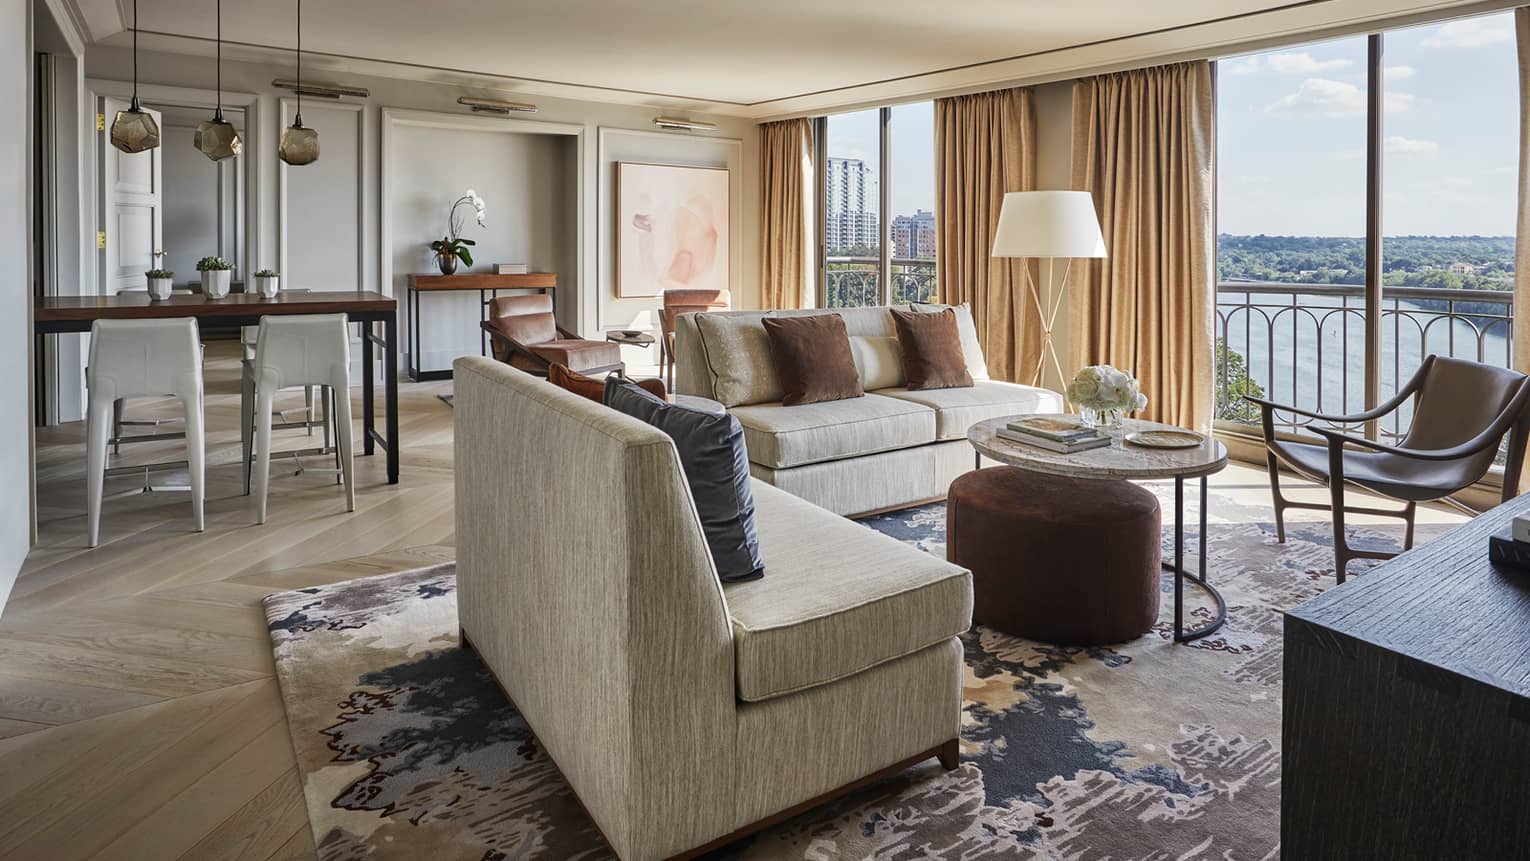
[{"x": 1123, "y": 460}]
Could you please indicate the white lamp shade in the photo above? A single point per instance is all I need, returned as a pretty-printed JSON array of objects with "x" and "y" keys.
[{"x": 1048, "y": 224}]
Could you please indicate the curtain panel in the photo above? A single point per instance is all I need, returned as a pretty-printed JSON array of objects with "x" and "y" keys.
[
  {"x": 1143, "y": 146},
  {"x": 1521, "y": 338},
  {"x": 785, "y": 151},
  {"x": 985, "y": 146}
]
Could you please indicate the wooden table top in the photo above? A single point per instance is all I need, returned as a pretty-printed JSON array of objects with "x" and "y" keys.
[
  {"x": 1117, "y": 460},
  {"x": 130, "y": 306},
  {"x": 1442, "y": 603},
  {"x": 485, "y": 281}
]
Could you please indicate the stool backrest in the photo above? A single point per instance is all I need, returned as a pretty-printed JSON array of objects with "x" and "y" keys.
[
  {"x": 136, "y": 358},
  {"x": 303, "y": 349}
]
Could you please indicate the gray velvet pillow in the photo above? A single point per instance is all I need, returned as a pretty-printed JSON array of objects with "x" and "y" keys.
[{"x": 716, "y": 466}]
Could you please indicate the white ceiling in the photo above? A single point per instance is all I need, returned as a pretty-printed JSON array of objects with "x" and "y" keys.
[{"x": 737, "y": 54}]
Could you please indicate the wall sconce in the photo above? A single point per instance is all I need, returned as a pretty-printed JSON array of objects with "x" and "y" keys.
[
  {"x": 495, "y": 106},
  {"x": 686, "y": 125},
  {"x": 321, "y": 91}
]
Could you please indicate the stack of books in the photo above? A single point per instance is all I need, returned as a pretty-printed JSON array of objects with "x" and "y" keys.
[
  {"x": 511, "y": 269},
  {"x": 1512, "y": 548},
  {"x": 1054, "y": 433}
]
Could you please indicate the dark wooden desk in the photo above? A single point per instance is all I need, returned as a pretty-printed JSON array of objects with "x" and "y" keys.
[
  {"x": 61, "y": 314},
  {"x": 1406, "y": 728},
  {"x": 488, "y": 286}
]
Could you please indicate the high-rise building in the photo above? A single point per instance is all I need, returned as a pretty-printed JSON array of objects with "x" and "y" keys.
[
  {"x": 850, "y": 205},
  {"x": 913, "y": 236}
]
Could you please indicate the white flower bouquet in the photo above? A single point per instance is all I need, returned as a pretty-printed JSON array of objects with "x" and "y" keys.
[{"x": 1101, "y": 390}]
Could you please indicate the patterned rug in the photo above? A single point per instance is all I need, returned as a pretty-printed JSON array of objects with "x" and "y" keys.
[{"x": 1148, "y": 750}]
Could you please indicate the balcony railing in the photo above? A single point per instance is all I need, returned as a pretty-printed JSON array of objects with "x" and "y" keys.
[
  {"x": 1304, "y": 344},
  {"x": 851, "y": 282}
]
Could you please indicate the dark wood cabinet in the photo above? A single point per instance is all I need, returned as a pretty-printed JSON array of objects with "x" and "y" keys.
[{"x": 1406, "y": 728}]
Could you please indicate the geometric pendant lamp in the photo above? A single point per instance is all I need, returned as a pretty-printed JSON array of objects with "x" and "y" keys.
[
  {"x": 299, "y": 145},
  {"x": 134, "y": 129},
  {"x": 216, "y": 138}
]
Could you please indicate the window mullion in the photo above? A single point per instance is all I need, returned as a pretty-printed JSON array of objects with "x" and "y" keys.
[{"x": 1374, "y": 145}]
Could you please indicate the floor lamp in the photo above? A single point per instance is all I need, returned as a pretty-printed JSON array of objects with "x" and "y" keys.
[{"x": 1048, "y": 225}]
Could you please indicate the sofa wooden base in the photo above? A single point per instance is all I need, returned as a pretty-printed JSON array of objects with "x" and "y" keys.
[{"x": 948, "y": 752}]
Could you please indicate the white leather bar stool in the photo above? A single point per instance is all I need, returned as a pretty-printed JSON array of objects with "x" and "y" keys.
[
  {"x": 302, "y": 350},
  {"x": 142, "y": 358}
]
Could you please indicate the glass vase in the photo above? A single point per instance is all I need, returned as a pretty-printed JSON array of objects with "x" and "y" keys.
[{"x": 1089, "y": 417}]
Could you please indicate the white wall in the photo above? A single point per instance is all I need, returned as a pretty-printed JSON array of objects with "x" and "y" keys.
[
  {"x": 586, "y": 296},
  {"x": 530, "y": 186},
  {"x": 320, "y": 222},
  {"x": 15, "y": 295}
]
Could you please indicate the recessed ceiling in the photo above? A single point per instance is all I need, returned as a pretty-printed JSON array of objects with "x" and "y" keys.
[{"x": 729, "y": 52}]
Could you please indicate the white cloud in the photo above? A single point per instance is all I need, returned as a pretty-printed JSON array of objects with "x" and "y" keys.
[
  {"x": 1321, "y": 96},
  {"x": 1302, "y": 63},
  {"x": 1334, "y": 99},
  {"x": 1239, "y": 66},
  {"x": 1399, "y": 145},
  {"x": 1473, "y": 33},
  {"x": 1399, "y": 73}
]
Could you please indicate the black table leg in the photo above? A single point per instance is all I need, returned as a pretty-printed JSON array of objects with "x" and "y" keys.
[
  {"x": 366, "y": 388},
  {"x": 1180, "y": 575},
  {"x": 390, "y": 386}
]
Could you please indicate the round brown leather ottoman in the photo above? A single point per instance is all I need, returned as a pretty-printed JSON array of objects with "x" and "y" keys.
[{"x": 1062, "y": 560}]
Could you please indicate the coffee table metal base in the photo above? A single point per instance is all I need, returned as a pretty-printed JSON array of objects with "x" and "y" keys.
[{"x": 1181, "y": 575}]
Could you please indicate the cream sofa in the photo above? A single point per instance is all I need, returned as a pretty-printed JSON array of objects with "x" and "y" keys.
[
  {"x": 682, "y": 711},
  {"x": 892, "y": 447}
]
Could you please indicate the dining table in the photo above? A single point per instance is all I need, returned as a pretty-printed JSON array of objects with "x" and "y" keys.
[{"x": 54, "y": 315}]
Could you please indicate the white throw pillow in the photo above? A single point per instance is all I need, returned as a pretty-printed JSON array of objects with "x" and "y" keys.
[{"x": 878, "y": 360}]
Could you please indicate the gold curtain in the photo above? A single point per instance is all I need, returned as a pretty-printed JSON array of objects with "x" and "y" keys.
[
  {"x": 785, "y": 148},
  {"x": 1142, "y": 144},
  {"x": 985, "y": 145}
]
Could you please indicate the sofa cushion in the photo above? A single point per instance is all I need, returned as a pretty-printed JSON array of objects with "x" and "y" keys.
[
  {"x": 957, "y": 410},
  {"x": 737, "y": 354},
  {"x": 711, "y": 450},
  {"x": 840, "y": 599},
  {"x": 780, "y": 436},
  {"x": 878, "y": 360},
  {"x": 932, "y": 350},
  {"x": 812, "y": 358},
  {"x": 972, "y": 348}
]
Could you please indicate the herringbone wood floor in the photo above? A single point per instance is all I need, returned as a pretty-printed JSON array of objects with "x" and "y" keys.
[{"x": 139, "y": 715}]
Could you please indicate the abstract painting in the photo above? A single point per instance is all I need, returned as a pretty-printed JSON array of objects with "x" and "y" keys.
[{"x": 671, "y": 228}]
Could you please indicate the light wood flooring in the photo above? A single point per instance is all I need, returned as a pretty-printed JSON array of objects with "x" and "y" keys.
[{"x": 139, "y": 715}]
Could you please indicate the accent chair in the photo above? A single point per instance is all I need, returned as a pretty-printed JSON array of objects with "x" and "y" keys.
[
  {"x": 1461, "y": 412},
  {"x": 526, "y": 336},
  {"x": 687, "y": 300}
]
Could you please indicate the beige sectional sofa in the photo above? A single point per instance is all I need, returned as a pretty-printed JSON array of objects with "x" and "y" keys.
[
  {"x": 891, "y": 447},
  {"x": 683, "y": 711}
]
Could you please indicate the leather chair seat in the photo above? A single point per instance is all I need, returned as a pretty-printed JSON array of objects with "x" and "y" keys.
[
  {"x": 1061, "y": 560},
  {"x": 576, "y": 355}
]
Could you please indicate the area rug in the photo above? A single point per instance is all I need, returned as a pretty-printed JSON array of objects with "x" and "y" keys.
[{"x": 1148, "y": 750}]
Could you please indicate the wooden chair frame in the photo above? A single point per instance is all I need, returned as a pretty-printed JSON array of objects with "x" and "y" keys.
[{"x": 1514, "y": 419}]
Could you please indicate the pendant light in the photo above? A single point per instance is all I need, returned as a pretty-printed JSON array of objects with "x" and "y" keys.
[
  {"x": 217, "y": 138},
  {"x": 299, "y": 145},
  {"x": 134, "y": 130}
]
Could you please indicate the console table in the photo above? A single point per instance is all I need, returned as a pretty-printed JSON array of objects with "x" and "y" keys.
[
  {"x": 486, "y": 284},
  {"x": 1406, "y": 726}
]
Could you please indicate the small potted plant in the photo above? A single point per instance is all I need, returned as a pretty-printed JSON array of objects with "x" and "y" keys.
[
  {"x": 216, "y": 275},
  {"x": 267, "y": 283},
  {"x": 453, "y": 247},
  {"x": 159, "y": 283}
]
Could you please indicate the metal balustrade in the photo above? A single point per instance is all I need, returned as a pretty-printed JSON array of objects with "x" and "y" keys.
[{"x": 851, "y": 282}]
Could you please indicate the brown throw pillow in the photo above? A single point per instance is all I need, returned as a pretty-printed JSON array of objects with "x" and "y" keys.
[
  {"x": 932, "y": 350},
  {"x": 589, "y": 387},
  {"x": 812, "y": 359}
]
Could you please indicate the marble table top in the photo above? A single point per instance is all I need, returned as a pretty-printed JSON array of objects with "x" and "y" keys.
[{"x": 1118, "y": 460}]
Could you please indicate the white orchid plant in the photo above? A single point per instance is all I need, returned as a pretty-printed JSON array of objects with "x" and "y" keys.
[
  {"x": 1104, "y": 389},
  {"x": 453, "y": 244}
]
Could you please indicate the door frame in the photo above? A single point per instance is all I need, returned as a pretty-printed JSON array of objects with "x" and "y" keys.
[{"x": 183, "y": 97}]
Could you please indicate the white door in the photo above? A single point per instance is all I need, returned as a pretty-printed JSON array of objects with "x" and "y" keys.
[{"x": 132, "y": 211}]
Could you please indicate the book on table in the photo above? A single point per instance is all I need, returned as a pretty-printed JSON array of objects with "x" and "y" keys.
[
  {"x": 1055, "y": 428},
  {"x": 1093, "y": 440}
]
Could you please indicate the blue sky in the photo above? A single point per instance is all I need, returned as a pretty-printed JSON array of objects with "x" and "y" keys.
[
  {"x": 855, "y": 135},
  {"x": 1291, "y": 134}
]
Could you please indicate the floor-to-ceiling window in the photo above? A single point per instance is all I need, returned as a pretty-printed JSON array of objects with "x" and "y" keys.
[
  {"x": 1366, "y": 213},
  {"x": 877, "y": 206}
]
